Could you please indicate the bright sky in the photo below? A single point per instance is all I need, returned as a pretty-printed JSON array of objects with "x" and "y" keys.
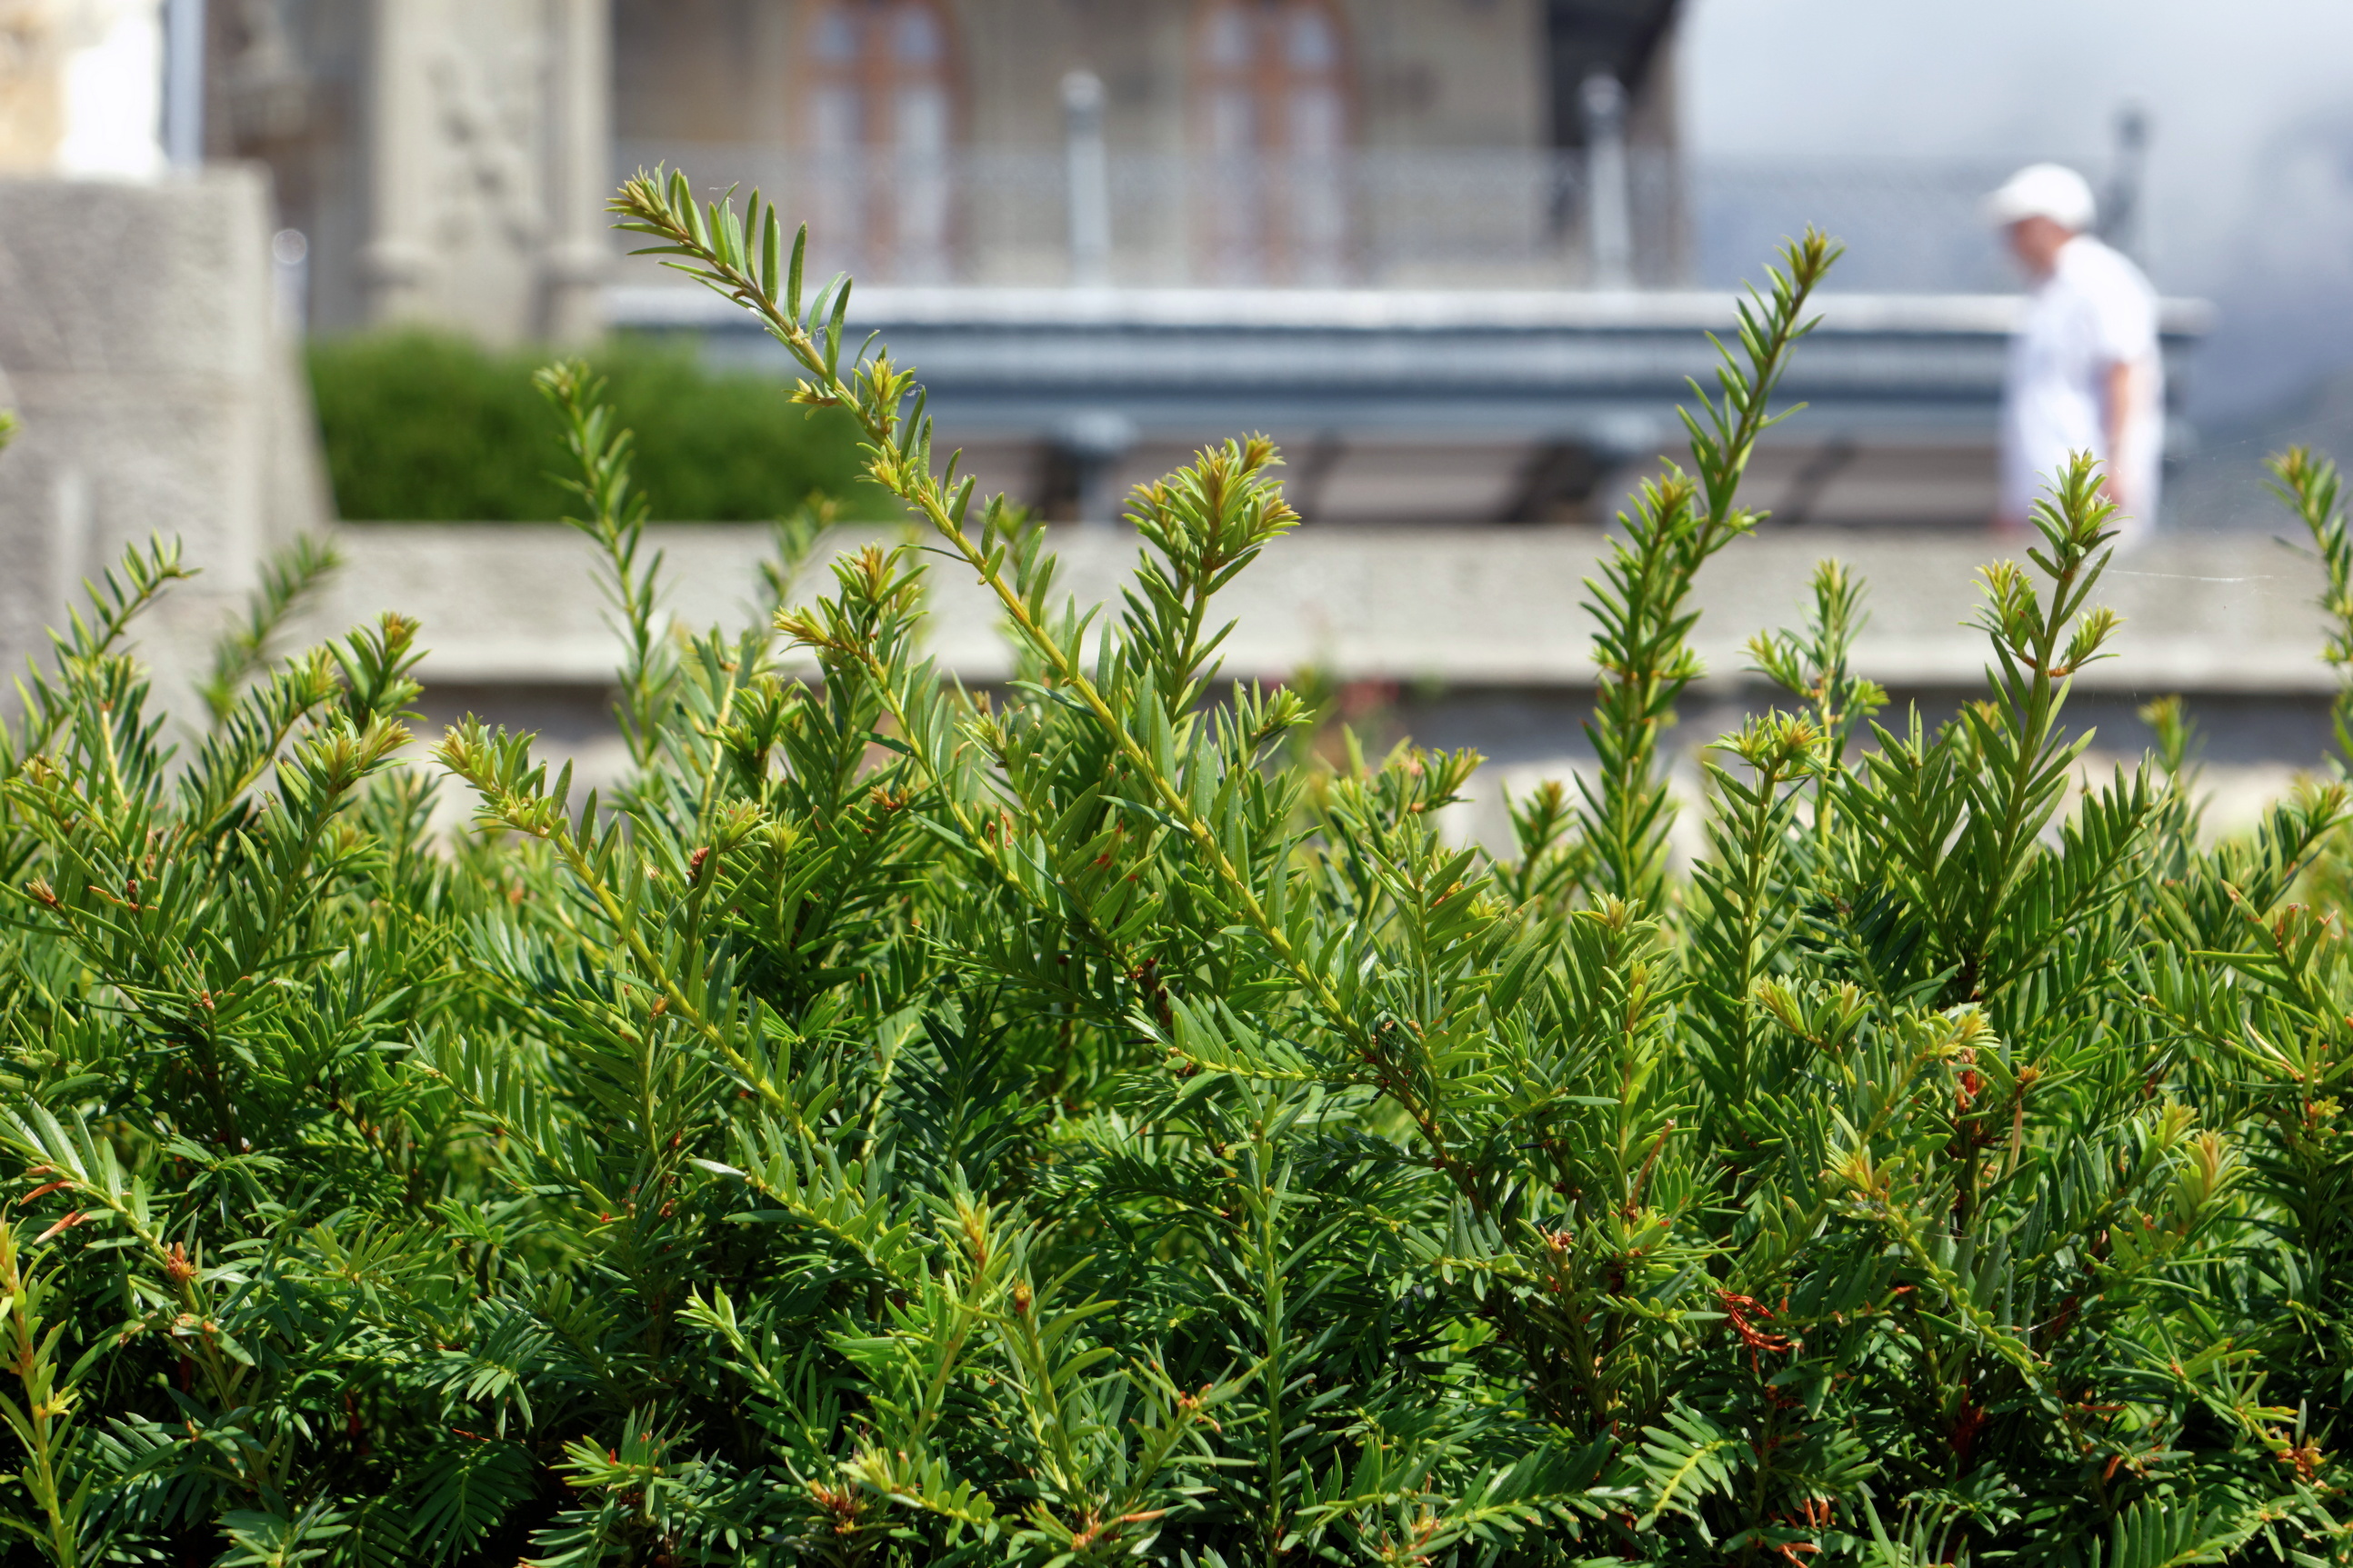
[{"x": 2251, "y": 167}]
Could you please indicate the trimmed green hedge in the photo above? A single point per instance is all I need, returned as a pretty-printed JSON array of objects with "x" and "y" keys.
[{"x": 423, "y": 427}]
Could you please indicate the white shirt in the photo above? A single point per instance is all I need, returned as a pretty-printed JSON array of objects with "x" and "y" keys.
[{"x": 2094, "y": 312}]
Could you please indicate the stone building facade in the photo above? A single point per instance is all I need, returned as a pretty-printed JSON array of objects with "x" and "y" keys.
[
  {"x": 1415, "y": 143},
  {"x": 446, "y": 159}
]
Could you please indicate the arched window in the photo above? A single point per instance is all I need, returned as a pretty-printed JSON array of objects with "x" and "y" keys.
[
  {"x": 878, "y": 121},
  {"x": 1272, "y": 112}
]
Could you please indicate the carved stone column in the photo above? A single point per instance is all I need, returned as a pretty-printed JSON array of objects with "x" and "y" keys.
[
  {"x": 580, "y": 151},
  {"x": 487, "y": 152}
]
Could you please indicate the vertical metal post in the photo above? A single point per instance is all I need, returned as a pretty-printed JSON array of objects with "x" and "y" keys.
[
  {"x": 2120, "y": 213},
  {"x": 1608, "y": 201},
  {"x": 1088, "y": 172},
  {"x": 1093, "y": 441},
  {"x": 184, "y": 83}
]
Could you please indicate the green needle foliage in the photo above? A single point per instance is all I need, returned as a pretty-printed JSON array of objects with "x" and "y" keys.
[{"x": 899, "y": 1128}]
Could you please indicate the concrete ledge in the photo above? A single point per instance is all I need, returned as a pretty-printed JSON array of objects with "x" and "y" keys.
[{"x": 517, "y": 605}]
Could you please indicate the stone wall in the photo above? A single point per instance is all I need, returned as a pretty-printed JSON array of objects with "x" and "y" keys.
[{"x": 158, "y": 397}]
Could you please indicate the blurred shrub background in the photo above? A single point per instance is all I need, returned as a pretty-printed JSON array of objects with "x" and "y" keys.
[{"x": 422, "y": 427}]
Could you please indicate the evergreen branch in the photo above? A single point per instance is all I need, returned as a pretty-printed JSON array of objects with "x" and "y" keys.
[
  {"x": 2308, "y": 483},
  {"x": 1679, "y": 523},
  {"x": 900, "y": 457},
  {"x": 288, "y": 580}
]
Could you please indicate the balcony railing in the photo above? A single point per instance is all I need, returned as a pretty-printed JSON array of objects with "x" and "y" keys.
[
  {"x": 1419, "y": 217},
  {"x": 1910, "y": 226},
  {"x": 1475, "y": 217}
]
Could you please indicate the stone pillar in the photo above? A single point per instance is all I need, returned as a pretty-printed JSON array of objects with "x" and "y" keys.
[
  {"x": 398, "y": 264},
  {"x": 157, "y": 399},
  {"x": 81, "y": 85},
  {"x": 575, "y": 261}
]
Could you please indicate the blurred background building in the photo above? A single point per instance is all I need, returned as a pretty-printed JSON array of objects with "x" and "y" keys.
[
  {"x": 1313, "y": 143},
  {"x": 1448, "y": 252}
]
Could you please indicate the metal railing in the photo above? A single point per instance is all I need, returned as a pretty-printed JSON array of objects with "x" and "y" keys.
[
  {"x": 1375, "y": 217},
  {"x": 1476, "y": 218},
  {"x": 1910, "y": 226}
]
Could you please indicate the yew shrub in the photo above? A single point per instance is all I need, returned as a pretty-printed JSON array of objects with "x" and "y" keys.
[{"x": 895, "y": 1127}]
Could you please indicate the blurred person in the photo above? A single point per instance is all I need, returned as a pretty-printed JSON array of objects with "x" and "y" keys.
[{"x": 2083, "y": 371}]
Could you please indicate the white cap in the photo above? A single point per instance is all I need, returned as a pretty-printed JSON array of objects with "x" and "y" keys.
[{"x": 2043, "y": 190}]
